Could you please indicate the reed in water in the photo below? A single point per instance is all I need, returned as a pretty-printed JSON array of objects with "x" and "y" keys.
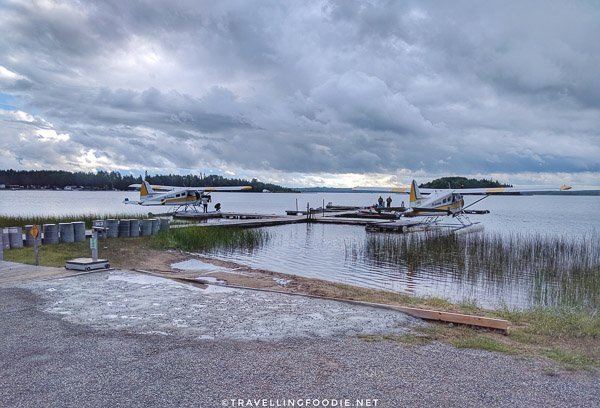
[
  {"x": 205, "y": 239},
  {"x": 557, "y": 270}
]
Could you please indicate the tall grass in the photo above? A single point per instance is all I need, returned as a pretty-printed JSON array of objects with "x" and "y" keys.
[
  {"x": 203, "y": 239},
  {"x": 556, "y": 270},
  {"x": 19, "y": 221}
]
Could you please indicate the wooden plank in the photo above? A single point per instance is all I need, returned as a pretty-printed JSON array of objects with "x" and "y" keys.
[{"x": 14, "y": 273}]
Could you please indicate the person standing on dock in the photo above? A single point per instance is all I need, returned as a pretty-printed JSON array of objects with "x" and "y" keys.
[
  {"x": 380, "y": 201},
  {"x": 388, "y": 202},
  {"x": 205, "y": 203}
]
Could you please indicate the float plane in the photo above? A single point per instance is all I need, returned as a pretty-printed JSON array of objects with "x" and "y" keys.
[
  {"x": 185, "y": 197},
  {"x": 449, "y": 201},
  {"x": 436, "y": 203}
]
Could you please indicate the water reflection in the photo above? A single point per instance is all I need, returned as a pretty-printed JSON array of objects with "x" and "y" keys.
[{"x": 489, "y": 269}]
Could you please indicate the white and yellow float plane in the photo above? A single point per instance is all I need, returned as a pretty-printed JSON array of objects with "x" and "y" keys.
[
  {"x": 448, "y": 201},
  {"x": 176, "y": 196}
]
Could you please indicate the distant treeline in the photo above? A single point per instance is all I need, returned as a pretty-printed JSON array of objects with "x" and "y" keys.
[
  {"x": 103, "y": 180},
  {"x": 462, "y": 182},
  {"x": 213, "y": 180}
]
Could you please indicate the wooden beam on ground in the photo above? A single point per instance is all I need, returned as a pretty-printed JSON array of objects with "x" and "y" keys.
[{"x": 457, "y": 318}]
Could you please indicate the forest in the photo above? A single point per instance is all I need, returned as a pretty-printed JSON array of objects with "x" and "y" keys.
[
  {"x": 462, "y": 182},
  {"x": 103, "y": 180}
]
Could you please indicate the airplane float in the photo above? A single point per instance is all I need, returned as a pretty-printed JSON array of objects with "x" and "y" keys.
[{"x": 181, "y": 197}]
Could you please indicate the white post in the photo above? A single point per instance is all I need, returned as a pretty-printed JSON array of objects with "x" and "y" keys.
[{"x": 94, "y": 244}]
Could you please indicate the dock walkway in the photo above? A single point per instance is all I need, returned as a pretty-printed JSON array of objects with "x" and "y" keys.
[{"x": 13, "y": 273}]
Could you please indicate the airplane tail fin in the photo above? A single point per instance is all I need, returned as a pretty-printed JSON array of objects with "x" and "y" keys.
[
  {"x": 415, "y": 195},
  {"x": 146, "y": 189}
]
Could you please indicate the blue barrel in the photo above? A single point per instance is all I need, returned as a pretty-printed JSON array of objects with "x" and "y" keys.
[
  {"x": 145, "y": 227},
  {"x": 124, "y": 227},
  {"x": 5, "y": 240},
  {"x": 15, "y": 237},
  {"x": 155, "y": 225},
  {"x": 78, "y": 231},
  {"x": 164, "y": 224},
  {"x": 134, "y": 228},
  {"x": 65, "y": 232},
  {"x": 50, "y": 234},
  {"x": 112, "y": 226}
]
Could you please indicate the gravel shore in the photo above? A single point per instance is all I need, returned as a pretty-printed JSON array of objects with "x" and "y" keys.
[{"x": 51, "y": 359}]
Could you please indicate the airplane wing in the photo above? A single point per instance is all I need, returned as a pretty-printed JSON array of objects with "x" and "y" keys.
[
  {"x": 382, "y": 189},
  {"x": 467, "y": 191},
  {"x": 171, "y": 188},
  {"x": 155, "y": 187},
  {"x": 227, "y": 188},
  {"x": 504, "y": 190}
]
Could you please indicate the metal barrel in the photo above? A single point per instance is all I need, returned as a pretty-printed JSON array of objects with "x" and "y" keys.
[
  {"x": 65, "y": 232},
  {"x": 29, "y": 240},
  {"x": 155, "y": 225},
  {"x": 5, "y": 240},
  {"x": 145, "y": 227},
  {"x": 78, "y": 231},
  {"x": 164, "y": 224},
  {"x": 124, "y": 226},
  {"x": 50, "y": 234},
  {"x": 15, "y": 237},
  {"x": 113, "y": 228},
  {"x": 134, "y": 228}
]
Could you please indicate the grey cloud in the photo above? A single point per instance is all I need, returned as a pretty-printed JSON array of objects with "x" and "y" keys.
[{"x": 312, "y": 87}]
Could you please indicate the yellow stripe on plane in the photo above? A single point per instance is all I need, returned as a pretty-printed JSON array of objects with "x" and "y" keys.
[
  {"x": 413, "y": 192},
  {"x": 143, "y": 190},
  {"x": 495, "y": 190}
]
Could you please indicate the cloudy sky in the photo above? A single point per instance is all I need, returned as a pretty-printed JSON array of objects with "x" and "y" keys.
[{"x": 304, "y": 92}]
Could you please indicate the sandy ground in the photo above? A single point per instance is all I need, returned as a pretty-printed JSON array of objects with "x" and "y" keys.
[{"x": 152, "y": 305}]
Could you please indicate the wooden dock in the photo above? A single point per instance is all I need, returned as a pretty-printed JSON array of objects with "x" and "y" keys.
[{"x": 12, "y": 273}]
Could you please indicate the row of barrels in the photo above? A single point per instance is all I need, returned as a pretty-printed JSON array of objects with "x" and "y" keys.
[{"x": 75, "y": 231}]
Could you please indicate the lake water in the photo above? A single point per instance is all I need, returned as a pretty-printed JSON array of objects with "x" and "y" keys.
[{"x": 321, "y": 251}]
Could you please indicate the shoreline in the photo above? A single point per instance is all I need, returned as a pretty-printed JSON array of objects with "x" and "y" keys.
[{"x": 570, "y": 338}]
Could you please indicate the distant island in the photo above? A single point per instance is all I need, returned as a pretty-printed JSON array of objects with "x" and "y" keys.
[
  {"x": 456, "y": 182},
  {"x": 104, "y": 181}
]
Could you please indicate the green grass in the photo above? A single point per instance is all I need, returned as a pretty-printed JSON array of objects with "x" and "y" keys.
[
  {"x": 557, "y": 323},
  {"x": 50, "y": 255},
  {"x": 204, "y": 239},
  {"x": 20, "y": 221},
  {"x": 571, "y": 360}
]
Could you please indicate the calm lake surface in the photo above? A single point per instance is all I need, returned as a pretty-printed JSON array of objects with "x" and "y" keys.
[{"x": 321, "y": 251}]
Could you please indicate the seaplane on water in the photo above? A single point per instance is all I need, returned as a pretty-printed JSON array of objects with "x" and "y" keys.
[
  {"x": 435, "y": 204},
  {"x": 181, "y": 197}
]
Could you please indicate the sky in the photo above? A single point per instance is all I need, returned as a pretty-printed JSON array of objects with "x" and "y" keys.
[{"x": 304, "y": 93}]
